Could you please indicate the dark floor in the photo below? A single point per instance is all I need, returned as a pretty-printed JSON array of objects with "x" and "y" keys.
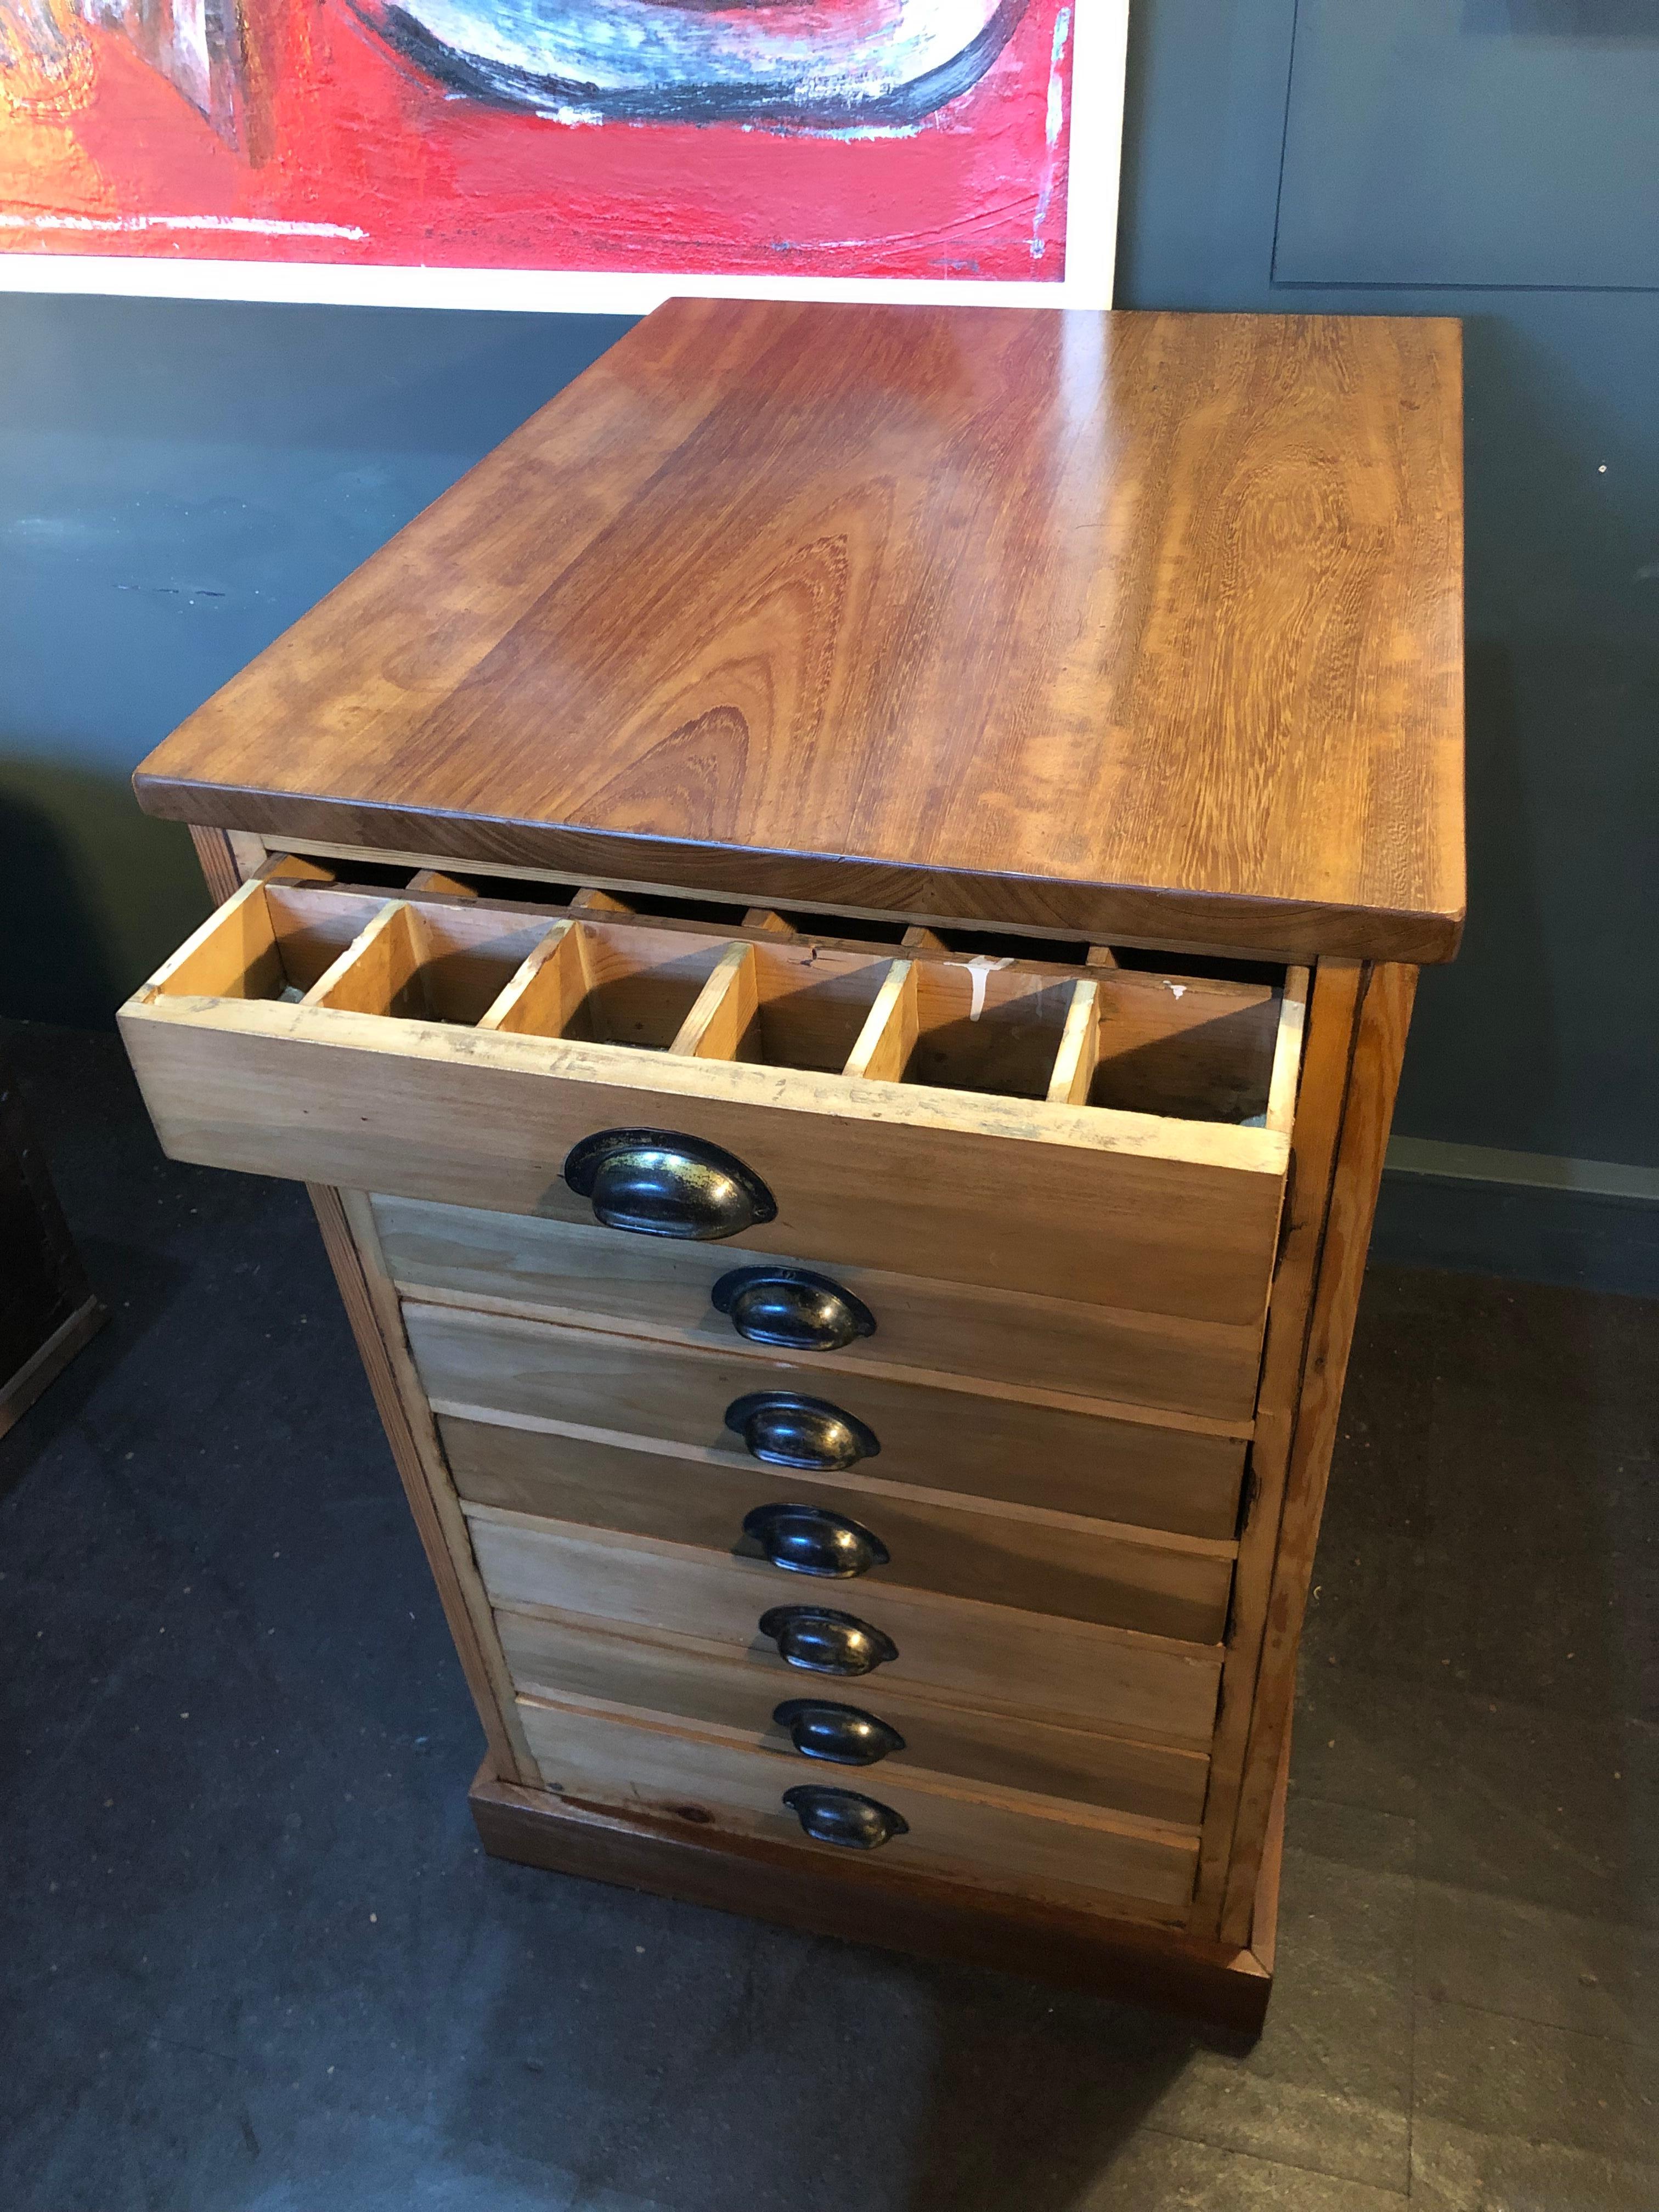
[{"x": 254, "y": 1958}]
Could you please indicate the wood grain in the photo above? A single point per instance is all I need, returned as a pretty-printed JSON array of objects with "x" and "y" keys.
[
  {"x": 1072, "y": 1673},
  {"x": 561, "y": 1655},
  {"x": 372, "y": 1309},
  {"x": 1166, "y": 1215},
  {"x": 1326, "y": 1073},
  {"x": 1076, "y": 1570},
  {"x": 1071, "y": 1461},
  {"x": 1379, "y": 1047},
  {"x": 657, "y": 1287},
  {"x": 893, "y": 1907},
  {"x": 1138, "y": 623},
  {"x": 720, "y": 1778}
]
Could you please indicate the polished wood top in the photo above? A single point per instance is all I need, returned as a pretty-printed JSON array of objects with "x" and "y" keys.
[{"x": 1132, "y": 624}]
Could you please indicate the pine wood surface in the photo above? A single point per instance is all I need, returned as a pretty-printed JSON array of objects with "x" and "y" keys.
[
  {"x": 1379, "y": 1048},
  {"x": 1053, "y": 1562},
  {"x": 1320, "y": 1107},
  {"x": 372, "y": 1309},
  {"x": 563, "y": 1656},
  {"x": 1145, "y": 623},
  {"x": 1074, "y": 1673},
  {"x": 1041, "y": 1848},
  {"x": 1077, "y": 1463},
  {"x": 1173, "y": 1217},
  {"x": 655, "y": 1286}
]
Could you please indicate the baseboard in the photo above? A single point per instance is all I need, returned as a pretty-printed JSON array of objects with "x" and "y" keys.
[
  {"x": 1592, "y": 1224},
  {"x": 872, "y": 1904}
]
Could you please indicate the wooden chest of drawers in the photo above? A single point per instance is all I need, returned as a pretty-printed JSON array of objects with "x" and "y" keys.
[{"x": 833, "y": 931}]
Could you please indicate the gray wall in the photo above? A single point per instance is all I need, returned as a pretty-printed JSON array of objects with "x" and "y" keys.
[
  {"x": 1493, "y": 159},
  {"x": 179, "y": 483}
]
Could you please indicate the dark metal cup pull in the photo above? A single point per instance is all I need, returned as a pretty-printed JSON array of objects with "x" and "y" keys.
[
  {"x": 843, "y": 1734},
  {"x": 811, "y": 1540},
  {"x": 821, "y": 1640},
  {"x": 791, "y": 1308},
  {"x": 842, "y": 1816},
  {"x": 659, "y": 1184},
  {"x": 787, "y": 1429}
]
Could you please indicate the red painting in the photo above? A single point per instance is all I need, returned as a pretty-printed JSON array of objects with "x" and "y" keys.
[{"x": 772, "y": 141}]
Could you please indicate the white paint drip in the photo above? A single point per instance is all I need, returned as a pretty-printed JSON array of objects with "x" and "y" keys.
[
  {"x": 1052, "y": 124},
  {"x": 255, "y": 224},
  {"x": 1177, "y": 990},
  {"x": 979, "y": 967}
]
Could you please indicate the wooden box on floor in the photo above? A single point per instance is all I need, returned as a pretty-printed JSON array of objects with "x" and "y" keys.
[
  {"x": 833, "y": 931},
  {"x": 47, "y": 1309}
]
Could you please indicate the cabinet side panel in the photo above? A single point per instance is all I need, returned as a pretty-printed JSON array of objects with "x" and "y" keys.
[
  {"x": 216, "y": 859},
  {"x": 371, "y": 1305},
  {"x": 1327, "y": 1066},
  {"x": 1379, "y": 1047}
]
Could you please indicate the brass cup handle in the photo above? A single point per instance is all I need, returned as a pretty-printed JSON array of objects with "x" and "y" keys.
[
  {"x": 842, "y": 1816},
  {"x": 821, "y": 1640},
  {"x": 657, "y": 1183},
  {"x": 784, "y": 1428},
  {"x": 811, "y": 1540},
  {"x": 791, "y": 1308},
  {"x": 845, "y": 1735}
]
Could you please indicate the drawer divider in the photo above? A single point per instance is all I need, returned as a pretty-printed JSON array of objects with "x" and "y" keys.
[
  {"x": 546, "y": 989},
  {"x": 380, "y": 972},
  {"x": 889, "y": 1035},
  {"x": 1283, "y": 1083},
  {"x": 720, "y": 1025},
  {"x": 1079, "y": 1049}
]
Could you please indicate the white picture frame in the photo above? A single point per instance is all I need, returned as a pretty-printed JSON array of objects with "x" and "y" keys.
[{"x": 1099, "y": 31}]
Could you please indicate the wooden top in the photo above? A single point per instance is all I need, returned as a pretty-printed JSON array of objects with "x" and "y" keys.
[{"x": 1131, "y": 624}]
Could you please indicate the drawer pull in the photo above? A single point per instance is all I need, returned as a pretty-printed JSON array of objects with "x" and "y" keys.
[
  {"x": 659, "y": 1184},
  {"x": 786, "y": 1430},
  {"x": 791, "y": 1308},
  {"x": 822, "y": 1642},
  {"x": 841, "y": 1733},
  {"x": 841, "y": 1816},
  {"x": 810, "y": 1539}
]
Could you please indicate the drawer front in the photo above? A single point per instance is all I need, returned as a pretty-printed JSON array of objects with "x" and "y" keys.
[
  {"x": 718, "y": 1780},
  {"x": 1061, "y": 1566},
  {"x": 455, "y": 1054},
  {"x": 570, "y": 1270},
  {"x": 1136, "y": 1472},
  {"x": 702, "y": 1683},
  {"x": 1070, "y": 1672}
]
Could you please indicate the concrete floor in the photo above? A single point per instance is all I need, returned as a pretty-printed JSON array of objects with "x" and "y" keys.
[{"x": 253, "y": 1958}]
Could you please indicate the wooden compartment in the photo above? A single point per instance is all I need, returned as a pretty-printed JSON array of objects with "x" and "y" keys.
[{"x": 398, "y": 1070}]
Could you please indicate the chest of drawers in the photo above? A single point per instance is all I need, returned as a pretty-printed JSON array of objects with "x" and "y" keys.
[{"x": 832, "y": 931}]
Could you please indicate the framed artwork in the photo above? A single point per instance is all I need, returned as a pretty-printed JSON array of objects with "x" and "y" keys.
[{"x": 592, "y": 155}]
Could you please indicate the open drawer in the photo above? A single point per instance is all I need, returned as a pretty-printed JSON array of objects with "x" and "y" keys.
[{"x": 970, "y": 1119}]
